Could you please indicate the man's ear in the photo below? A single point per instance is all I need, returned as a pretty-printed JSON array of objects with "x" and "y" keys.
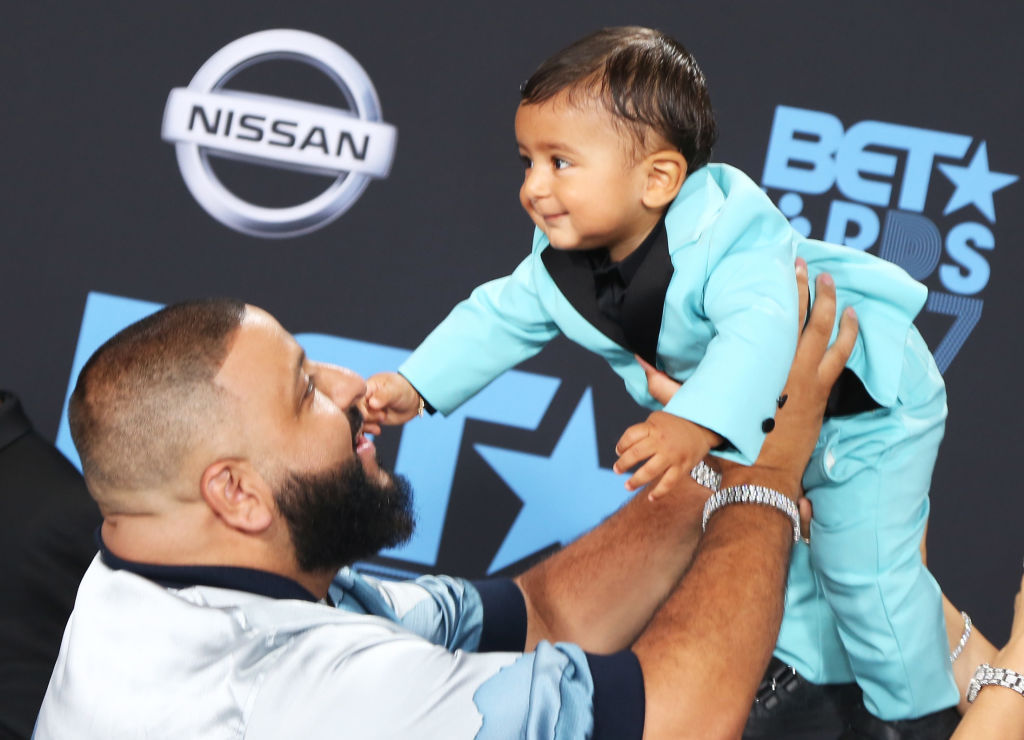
[
  {"x": 238, "y": 495},
  {"x": 666, "y": 172}
]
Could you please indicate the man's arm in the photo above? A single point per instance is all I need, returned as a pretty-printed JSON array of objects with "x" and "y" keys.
[
  {"x": 600, "y": 591},
  {"x": 705, "y": 649}
]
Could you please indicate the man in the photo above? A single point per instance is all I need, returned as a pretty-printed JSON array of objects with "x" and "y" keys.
[
  {"x": 235, "y": 478},
  {"x": 49, "y": 524}
]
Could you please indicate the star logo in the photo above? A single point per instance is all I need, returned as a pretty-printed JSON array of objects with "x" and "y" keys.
[
  {"x": 563, "y": 494},
  {"x": 975, "y": 184}
]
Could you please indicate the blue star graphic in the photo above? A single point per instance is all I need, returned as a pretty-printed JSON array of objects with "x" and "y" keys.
[
  {"x": 975, "y": 184},
  {"x": 563, "y": 495}
]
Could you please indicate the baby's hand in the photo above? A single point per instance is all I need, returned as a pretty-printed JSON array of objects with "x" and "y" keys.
[
  {"x": 671, "y": 445},
  {"x": 390, "y": 399}
]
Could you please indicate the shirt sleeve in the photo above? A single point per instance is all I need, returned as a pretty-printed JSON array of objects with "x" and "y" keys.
[
  {"x": 501, "y": 324},
  {"x": 559, "y": 691},
  {"x": 449, "y": 612}
]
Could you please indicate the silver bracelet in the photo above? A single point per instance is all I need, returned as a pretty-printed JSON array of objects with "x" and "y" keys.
[
  {"x": 986, "y": 675},
  {"x": 746, "y": 494},
  {"x": 706, "y": 476},
  {"x": 963, "y": 638}
]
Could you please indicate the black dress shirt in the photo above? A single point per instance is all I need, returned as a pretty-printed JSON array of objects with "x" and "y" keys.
[
  {"x": 612, "y": 279},
  {"x": 47, "y": 541}
]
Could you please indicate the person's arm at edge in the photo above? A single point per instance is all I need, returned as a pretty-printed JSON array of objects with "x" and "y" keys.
[
  {"x": 976, "y": 650},
  {"x": 999, "y": 712}
]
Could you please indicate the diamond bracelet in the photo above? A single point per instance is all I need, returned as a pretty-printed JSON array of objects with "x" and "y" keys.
[
  {"x": 707, "y": 477},
  {"x": 963, "y": 638},
  {"x": 986, "y": 675},
  {"x": 747, "y": 494}
]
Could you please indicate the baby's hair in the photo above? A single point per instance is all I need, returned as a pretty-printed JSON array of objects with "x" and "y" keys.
[{"x": 647, "y": 80}]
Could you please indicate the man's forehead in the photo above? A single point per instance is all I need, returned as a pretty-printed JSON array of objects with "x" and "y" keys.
[
  {"x": 257, "y": 317},
  {"x": 261, "y": 348}
]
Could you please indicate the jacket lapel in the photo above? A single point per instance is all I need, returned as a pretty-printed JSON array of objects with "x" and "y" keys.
[
  {"x": 642, "y": 308},
  {"x": 644, "y": 305},
  {"x": 571, "y": 273}
]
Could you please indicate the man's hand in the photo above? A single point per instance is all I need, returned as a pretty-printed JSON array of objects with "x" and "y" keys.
[
  {"x": 390, "y": 399},
  {"x": 671, "y": 445}
]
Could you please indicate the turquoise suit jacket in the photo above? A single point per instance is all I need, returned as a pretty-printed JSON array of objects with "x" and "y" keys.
[{"x": 729, "y": 321}]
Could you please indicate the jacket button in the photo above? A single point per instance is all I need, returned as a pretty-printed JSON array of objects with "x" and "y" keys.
[{"x": 767, "y": 425}]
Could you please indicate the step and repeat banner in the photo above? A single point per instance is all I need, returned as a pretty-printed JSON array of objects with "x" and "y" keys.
[{"x": 352, "y": 168}]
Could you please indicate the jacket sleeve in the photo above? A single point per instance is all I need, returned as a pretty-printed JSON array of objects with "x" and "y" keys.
[
  {"x": 750, "y": 298},
  {"x": 501, "y": 324}
]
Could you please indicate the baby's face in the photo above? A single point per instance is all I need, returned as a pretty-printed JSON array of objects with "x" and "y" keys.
[{"x": 583, "y": 186}]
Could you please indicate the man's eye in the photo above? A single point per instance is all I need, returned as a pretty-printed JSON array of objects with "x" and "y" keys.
[
  {"x": 559, "y": 163},
  {"x": 310, "y": 385}
]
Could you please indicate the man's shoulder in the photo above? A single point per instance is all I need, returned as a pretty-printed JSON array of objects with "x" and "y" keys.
[{"x": 136, "y": 652}]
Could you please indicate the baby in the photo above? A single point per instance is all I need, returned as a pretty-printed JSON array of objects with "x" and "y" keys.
[{"x": 645, "y": 250}]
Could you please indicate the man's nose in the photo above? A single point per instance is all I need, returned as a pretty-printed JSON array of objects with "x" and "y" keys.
[{"x": 343, "y": 386}]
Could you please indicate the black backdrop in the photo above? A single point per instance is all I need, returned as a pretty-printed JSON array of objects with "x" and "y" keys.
[{"x": 94, "y": 203}]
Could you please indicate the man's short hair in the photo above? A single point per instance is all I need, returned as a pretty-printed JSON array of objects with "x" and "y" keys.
[
  {"x": 646, "y": 80},
  {"x": 145, "y": 397}
]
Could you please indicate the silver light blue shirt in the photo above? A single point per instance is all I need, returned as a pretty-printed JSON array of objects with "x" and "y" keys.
[{"x": 143, "y": 660}]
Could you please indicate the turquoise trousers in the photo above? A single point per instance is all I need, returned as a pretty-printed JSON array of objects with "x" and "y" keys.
[{"x": 860, "y": 604}]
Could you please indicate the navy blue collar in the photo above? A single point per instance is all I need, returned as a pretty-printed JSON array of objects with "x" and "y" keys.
[{"x": 218, "y": 576}]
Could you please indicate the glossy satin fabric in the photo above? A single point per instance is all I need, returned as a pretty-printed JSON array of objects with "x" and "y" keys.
[{"x": 143, "y": 661}]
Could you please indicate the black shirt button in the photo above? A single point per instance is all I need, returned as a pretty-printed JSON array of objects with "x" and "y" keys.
[{"x": 767, "y": 425}]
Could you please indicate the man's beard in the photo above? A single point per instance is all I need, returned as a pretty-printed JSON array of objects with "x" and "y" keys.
[{"x": 341, "y": 515}]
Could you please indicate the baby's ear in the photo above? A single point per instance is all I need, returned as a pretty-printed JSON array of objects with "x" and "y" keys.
[{"x": 666, "y": 172}]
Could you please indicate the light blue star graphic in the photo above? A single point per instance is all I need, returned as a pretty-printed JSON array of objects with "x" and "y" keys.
[
  {"x": 975, "y": 184},
  {"x": 563, "y": 495}
]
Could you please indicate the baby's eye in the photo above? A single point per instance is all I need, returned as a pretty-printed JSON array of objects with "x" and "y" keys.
[
  {"x": 559, "y": 163},
  {"x": 310, "y": 385},
  {"x": 525, "y": 161}
]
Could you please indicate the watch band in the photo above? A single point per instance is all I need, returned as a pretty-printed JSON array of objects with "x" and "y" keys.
[
  {"x": 986, "y": 675},
  {"x": 748, "y": 494},
  {"x": 706, "y": 476}
]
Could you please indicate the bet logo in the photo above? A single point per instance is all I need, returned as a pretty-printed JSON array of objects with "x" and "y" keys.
[
  {"x": 872, "y": 186},
  {"x": 208, "y": 119}
]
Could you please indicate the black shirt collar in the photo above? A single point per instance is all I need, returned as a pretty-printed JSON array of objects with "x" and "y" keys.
[
  {"x": 627, "y": 267},
  {"x": 13, "y": 422},
  {"x": 218, "y": 576}
]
